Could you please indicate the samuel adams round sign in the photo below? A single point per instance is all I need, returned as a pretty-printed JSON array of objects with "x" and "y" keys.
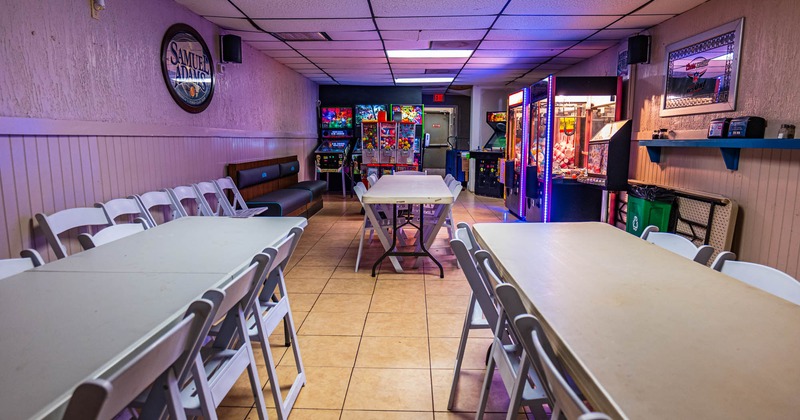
[{"x": 187, "y": 67}]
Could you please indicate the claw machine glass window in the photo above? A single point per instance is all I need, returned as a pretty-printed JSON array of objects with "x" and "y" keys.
[{"x": 516, "y": 159}]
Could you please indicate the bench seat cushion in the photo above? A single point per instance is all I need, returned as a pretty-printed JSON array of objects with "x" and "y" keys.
[
  {"x": 280, "y": 202},
  {"x": 317, "y": 188}
]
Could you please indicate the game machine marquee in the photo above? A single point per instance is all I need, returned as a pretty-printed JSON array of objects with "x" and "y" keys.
[
  {"x": 488, "y": 158},
  {"x": 565, "y": 113},
  {"x": 516, "y": 156},
  {"x": 336, "y": 128}
]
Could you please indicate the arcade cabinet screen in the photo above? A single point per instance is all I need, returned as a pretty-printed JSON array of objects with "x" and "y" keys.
[
  {"x": 496, "y": 117},
  {"x": 368, "y": 112},
  {"x": 337, "y": 117},
  {"x": 409, "y": 113},
  {"x": 598, "y": 158}
]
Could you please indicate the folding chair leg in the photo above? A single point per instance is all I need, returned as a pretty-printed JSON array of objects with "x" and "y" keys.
[
  {"x": 515, "y": 399},
  {"x": 487, "y": 385},
  {"x": 462, "y": 345},
  {"x": 361, "y": 242}
]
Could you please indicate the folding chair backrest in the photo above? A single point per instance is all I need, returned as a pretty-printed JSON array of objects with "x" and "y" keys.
[
  {"x": 105, "y": 398},
  {"x": 488, "y": 269},
  {"x": 208, "y": 189},
  {"x": 456, "y": 190},
  {"x": 161, "y": 199},
  {"x": 109, "y": 234},
  {"x": 179, "y": 194},
  {"x": 765, "y": 278},
  {"x": 721, "y": 258},
  {"x": 30, "y": 259},
  {"x": 123, "y": 207},
  {"x": 476, "y": 283},
  {"x": 648, "y": 230},
  {"x": 223, "y": 186},
  {"x": 283, "y": 250},
  {"x": 681, "y": 246},
  {"x": 409, "y": 173},
  {"x": 468, "y": 232},
  {"x": 360, "y": 189},
  {"x": 563, "y": 396},
  {"x": 64, "y": 220},
  {"x": 373, "y": 179},
  {"x": 240, "y": 289},
  {"x": 448, "y": 178}
]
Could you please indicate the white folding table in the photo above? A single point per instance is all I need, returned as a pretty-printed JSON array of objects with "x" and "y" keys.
[
  {"x": 83, "y": 316},
  {"x": 412, "y": 190},
  {"x": 648, "y": 334}
]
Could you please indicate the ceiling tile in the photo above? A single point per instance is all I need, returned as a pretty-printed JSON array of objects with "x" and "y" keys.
[
  {"x": 308, "y": 66},
  {"x": 291, "y": 60},
  {"x": 264, "y": 46},
  {"x": 639, "y": 21},
  {"x": 314, "y": 25},
  {"x": 576, "y": 53},
  {"x": 400, "y": 35},
  {"x": 356, "y": 60},
  {"x": 552, "y": 66},
  {"x": 515, "y": 53},
  {"x": 308, "y": 9},
  {"x": 235, "y": 24},
  {"x": 506, "y": 60},
  {"x": 407, "y": 45},
  {"x": 458, "y": 22},
  {"x": 515, "y": 66},
  {"x": 613, "y": 34},
  {"x": 573, "y": 7},
  {"x": 596, "y": 45},
  {"x": 669, "y": 7},
  {"x": 211, "y": 8},
  {"x": 525, "y": 45},
  {"x": 448, "y": 35},
  {"x": 335, "y": 45},
  {"x": 354, "y": 35},
  {"x": 253, "y": 35},
  {"x": 565, "y": 60},
  {"x": 554, "y": 22},
  {"x": 400, "y": 66},
  {"x": 344, "y": 53},
  {"x": 282, "y": 53},
  {"x": 390, "y": 8},
  {"x": 352, "y": 65},
  {"x": 543, "y": 34}
]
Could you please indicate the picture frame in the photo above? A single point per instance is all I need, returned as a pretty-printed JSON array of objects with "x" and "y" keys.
[
  {"x": 187, "y": 67},
  {"x": 702, "y": 72}
]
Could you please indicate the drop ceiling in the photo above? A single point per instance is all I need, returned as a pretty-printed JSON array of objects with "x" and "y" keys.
[{"x": 518, "y": 41}]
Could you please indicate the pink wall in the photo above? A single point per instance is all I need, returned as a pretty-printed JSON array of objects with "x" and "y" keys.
[
  {"x": 85, "y": 115},
  {"x": 766, "y": 184}
]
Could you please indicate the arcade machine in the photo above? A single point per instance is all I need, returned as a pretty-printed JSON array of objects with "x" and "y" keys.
[
  {"x": 368, "y": 114},
  {"x": 336, "y": 130},
  {"x": 515, "y": 164},
  {"x": 565, "y": 113},
  {"x": 487, "y": 158},
  {"x": 410, "y": 120},
  {"x": 607, "y": 163}
]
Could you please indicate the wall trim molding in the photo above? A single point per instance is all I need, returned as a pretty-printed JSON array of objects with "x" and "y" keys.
[{"x": 47, "y": 127}]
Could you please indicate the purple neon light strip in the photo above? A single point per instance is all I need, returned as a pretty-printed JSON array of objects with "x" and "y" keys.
[
  {"x": 548, "y": 165},
  {"x": 526, "y": 101}
]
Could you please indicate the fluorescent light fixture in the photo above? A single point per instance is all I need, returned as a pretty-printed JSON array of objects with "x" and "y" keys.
[
  {"x": 423, "y": 79},
  {"x": 429, "y": 53}
]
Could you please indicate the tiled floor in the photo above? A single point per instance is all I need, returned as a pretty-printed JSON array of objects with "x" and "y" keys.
[{"x": 376, "y": 348}]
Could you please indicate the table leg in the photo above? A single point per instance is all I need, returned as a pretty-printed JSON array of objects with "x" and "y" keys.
[
  {"x": 394, "y": 241},
  {"x": 369, "y": 210},
  {"x": 422, "y": 239}
]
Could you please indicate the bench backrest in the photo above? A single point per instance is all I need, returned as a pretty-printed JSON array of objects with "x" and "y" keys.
[{"x": 259, "y": 177}]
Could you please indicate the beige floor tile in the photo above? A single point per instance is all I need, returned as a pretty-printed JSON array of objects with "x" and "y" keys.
[
  {"x": 386, "y": 415},
  {"x": 449, "y": 415},
  {"x": 397, "y": 303},
  {"x": 241, "y": 394},
  {"x": 325, "y": 351},
  {"x": 468, "y": 391},
  {"x": 348, "y": 273},
  {"x": 389, "y": 389},
  {"x": 309, "y": 272},
  {"x": 318, "y": 261},
  {"x": 396, "y": 325},
  {"x": 443, "y": 352},
  {"x": 301, "y": 414},
  {"x": 342, "y": 303},
  {"x": 325, "y": 387},
  {"x": 309, "y": 285},
  {"x": 401, "y": 276},
  {"x": 364, "y": 285},
  {"x": 399, "y": 285},
  {"x": 445, "y": 325},
  {"x": 232, "y": 413},
  {"x": 439, "y": 287},
  {"x": 302, "y": 301},
  {"x": 393, "y": 352},
  {"x": 445, "y": 304},
  {"x": 326, "y": 323}
]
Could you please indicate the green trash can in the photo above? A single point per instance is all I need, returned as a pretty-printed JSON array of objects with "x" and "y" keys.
[{"x": 649, "y": 205}]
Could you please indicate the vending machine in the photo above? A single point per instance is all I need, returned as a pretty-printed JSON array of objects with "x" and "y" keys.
[
  {"x": 566, "y": 112},
  {"x": 516, "y": 156}
]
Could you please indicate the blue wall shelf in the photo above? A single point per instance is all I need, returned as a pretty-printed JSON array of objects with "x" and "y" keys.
[{"x": 729, "y": 148}]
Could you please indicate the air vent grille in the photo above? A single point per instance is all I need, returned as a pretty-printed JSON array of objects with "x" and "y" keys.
[{"x": 302, "y": 36}]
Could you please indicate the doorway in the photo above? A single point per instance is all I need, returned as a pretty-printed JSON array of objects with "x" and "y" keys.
[{"x": 440, "y": 124}]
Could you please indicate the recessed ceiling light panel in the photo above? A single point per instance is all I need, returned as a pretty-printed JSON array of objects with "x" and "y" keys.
[
  {"x": 429, "y": 53},
  {"x": 419, "y": 80}
]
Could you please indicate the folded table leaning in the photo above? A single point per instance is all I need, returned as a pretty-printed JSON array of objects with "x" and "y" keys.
[{"x": 80, "y": 317}]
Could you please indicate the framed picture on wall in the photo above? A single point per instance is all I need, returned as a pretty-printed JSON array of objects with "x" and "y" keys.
[{"x": 702, "y": 72}]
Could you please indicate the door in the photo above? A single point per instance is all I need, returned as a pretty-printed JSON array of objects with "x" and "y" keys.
[{"x": 437, "y": 124}]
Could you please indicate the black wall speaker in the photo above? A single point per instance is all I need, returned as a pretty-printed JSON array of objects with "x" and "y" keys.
[
  {"x": 230, "y": 49},
  {"x": 639, "y": 49}
]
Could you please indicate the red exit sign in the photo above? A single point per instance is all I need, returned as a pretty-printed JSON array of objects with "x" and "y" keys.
[{"x": 438, "y": 97}]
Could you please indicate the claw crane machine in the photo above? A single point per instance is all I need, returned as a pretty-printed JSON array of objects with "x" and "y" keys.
[
  {"x": 566, "y": 112},
  {"x": 516, "y": 156}
]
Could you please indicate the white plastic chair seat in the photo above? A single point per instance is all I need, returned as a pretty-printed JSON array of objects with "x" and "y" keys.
[
  {"x": 151, "y": 199},
  {"x": 681, "y": 246},
  {"x": 109, "y": 234},
  {"x": 64, "y": 220},
  {"x": 765, "y": 278}
]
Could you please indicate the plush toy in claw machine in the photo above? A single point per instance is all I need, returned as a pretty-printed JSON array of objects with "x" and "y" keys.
[{"x": 564, "y": 148}]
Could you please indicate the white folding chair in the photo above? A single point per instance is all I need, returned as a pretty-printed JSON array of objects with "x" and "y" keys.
[
  {"x": 373, "y": 179},
  {"x": 64, "y": 220},
  {"x": 385, "y": 222},
  {"x": 160, "y": 199},
  {"x": 269, "y": 311},
  {"x": 448, "y": 178},
  {"x": 522, "y": 382},
  {"x": 763, "y": 277},
  {"x": 206, "y": 190},
  {"x": 220, "y": 364},
  {"x": 110, "y": 234},
  {"x": 237, "y": 207},
  {"x": 159, "y": 364},
  {"x": 409, "y": 173},
  {"x": 649, "y": 229},
  {"x": 30, "y": 259},
  {"x": 179, "y": 194},
  {"x": 124, "y": 207},
  {"x": 680, "y": 245}
]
